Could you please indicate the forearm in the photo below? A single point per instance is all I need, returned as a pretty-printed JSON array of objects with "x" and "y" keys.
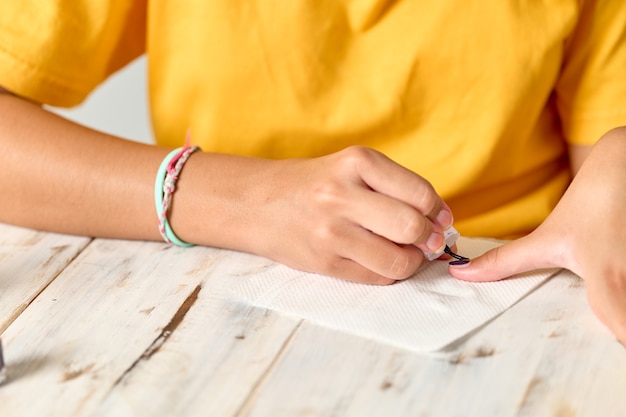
[
  {"x": 354, "y": 214},
  {"x": 63, "y": 177}
]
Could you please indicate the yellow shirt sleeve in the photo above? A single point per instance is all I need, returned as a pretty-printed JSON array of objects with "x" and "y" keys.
[
  {"x": 591, "y": 92},
  {"x": 56, "y": 52}
]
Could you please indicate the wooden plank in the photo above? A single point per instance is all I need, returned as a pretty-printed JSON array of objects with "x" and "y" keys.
[
  {"x": 546, "y": 356},
  {"x": 551, "y": 356},
  {"x": 210, "y": 367},
  {"x": 126, "y": 319},
  {"x": 134, "y": 328},
  {"x": 29, "y": 261},
  {"x": 217, "y": 356}
]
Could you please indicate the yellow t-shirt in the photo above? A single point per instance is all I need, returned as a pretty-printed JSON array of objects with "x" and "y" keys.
[{"x": 480, "y": 98}]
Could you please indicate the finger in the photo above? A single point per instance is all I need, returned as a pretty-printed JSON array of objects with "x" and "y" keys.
[
  {"x": 445, "y": 256},
  {"x": 387, "y": 177},
  {"x": 512, "y": 258},
  {"x": 394, "y": 220},
  {"x": 381, "y": 256},
  {"x": 349, "y": 270}
]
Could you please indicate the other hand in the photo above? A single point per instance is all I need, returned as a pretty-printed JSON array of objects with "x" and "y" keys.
[{"x": 585, "y": 233}]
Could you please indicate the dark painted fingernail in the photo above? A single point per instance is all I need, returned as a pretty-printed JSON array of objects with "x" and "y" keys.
[{"x": 459, "y": 262}]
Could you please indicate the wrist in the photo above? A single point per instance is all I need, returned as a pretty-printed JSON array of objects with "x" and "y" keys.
[{"x": 217, "y": 199}]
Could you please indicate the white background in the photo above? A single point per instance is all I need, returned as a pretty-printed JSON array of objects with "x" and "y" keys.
[{"x": 119, "y": 106}]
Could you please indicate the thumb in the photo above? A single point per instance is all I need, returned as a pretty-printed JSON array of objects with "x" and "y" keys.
[{"x": 521, "y": 255}]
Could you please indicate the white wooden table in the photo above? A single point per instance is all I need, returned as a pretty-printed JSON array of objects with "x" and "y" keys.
[{"x": 116, "y": 328}]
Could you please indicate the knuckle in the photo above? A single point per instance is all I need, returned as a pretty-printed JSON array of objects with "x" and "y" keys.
[
  {"x": 358, "y": 152},
  {"x": 325, "y": 234},
  {"x": 327, "y": 193},
  {"x": 491, "y": 257},
  {"x": 428, "y": 200},
  {"x": 413, "y": 228},
  {"x": 356, "y": 155},
  {"x": 327, "y": 262},
  {"x": 403, "y": 266},
  {"x": 329, "y": 265}
]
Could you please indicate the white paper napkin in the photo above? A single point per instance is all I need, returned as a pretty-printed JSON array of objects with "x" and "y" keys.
[{"x": 424, "y": 313}]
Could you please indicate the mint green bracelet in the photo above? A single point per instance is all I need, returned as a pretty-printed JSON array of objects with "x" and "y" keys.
[{"x": 164, "y": 187}]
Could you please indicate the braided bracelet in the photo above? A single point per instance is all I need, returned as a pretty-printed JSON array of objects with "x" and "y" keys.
[{"x": 164, "y": 188}]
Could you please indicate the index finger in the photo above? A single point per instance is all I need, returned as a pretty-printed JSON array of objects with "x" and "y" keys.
[{"x": 387, "y": 177}]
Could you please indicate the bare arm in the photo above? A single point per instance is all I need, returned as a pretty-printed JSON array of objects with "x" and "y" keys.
[
  {"x": 63, "y": 177},
  {"x": 354, "y": 214}
]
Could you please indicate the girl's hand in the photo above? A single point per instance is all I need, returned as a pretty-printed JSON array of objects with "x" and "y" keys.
[
  {"x": 354, "y": 214},
  {"x": 586, "y": 233}
]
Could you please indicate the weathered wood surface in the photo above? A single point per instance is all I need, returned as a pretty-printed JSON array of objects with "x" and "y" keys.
[
  {"x": 546, "y": 356},
  {"x": 29, "y": 261},
  {"x": 119, "y": 308},
  {"x": 142, "y": 329}
]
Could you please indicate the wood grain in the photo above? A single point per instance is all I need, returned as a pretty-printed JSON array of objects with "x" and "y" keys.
[
  {"x": 546, "y": 356},
  {"x": 29, "y": 261},
  {"x": 127, "y": 319},
  {"x": 123, "y": 328}
]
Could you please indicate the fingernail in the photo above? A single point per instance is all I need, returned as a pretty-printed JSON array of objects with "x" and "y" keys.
[
  {"x": 459, "y": 263},
  {"x": 444, "y": 218},
  {"x": 436, "y": 243}
]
